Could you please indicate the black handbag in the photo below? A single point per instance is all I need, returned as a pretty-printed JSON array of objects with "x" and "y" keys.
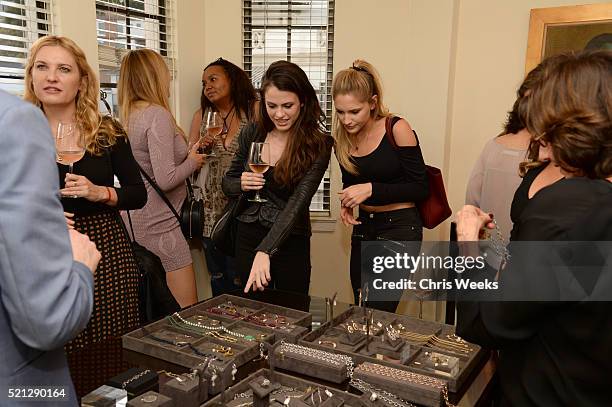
[
  {"x": 191, "y": 218},
  {"x": 223, "y": 233},
  {"x": 156, "y": 299}
]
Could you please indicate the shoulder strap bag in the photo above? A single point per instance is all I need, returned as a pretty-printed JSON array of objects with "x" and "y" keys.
[
  {"x": 192, "y": 212},
  {"x": 435, "y": 208}
]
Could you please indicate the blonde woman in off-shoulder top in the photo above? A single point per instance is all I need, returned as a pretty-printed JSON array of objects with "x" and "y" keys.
[{"x": 160, "y": 148}]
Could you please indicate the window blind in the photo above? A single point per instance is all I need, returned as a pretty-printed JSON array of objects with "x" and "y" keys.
[
  {"x": 300, "y": 31},
  {"x": 123, "y": 25},
  {"x": 21, "y": 23}
]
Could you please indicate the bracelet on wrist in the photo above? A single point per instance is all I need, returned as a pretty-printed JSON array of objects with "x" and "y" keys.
[{"x": 108, "y": 195}]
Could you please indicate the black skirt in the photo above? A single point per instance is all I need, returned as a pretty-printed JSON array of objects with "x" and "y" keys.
[{"x": 115, "y": 310}]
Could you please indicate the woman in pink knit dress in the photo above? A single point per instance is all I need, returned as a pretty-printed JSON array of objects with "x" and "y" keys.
[{"x": 160, "y": 147}]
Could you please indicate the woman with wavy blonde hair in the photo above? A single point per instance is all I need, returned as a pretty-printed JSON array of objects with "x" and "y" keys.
[
  {"x": 160, "y": 147},
  {"x": 60, "y": 81},
  {"x": 382, "y": 174}
]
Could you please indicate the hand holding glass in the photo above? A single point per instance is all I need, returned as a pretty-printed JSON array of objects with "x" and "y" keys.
[
  {"x": 69, "y": 145},
  {"x": 259, "y": 162},
  {"x": 213, "y": 125}
]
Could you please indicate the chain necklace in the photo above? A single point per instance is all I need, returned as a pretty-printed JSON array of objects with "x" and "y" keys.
[
  {"x": 199, "y": 326},
  {"x": 499, "y": 245}
]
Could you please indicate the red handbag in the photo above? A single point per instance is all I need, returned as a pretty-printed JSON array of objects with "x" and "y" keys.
[{"x": 435, "y": 208}]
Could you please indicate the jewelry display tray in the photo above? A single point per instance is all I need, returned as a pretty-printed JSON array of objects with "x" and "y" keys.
[
  {"x": 308, "y": 365},
  {"x": 226, "y": 399},
  {"x": 302, "y": 320},
  {"x": 243, "y": 350},
  {"x": 409, "y": 351}
]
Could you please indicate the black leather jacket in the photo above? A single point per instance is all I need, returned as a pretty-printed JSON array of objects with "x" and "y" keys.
[{"x": 283, "y": 217}]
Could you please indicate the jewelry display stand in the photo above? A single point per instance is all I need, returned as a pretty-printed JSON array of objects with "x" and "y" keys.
[
  {"x": 151, "y": 399},
  {"x": 411, "y": 339},
  {"x": 325, "y": 365},
  {"x": 184, "y": 390},
  {"x": 224, "y": 343}
]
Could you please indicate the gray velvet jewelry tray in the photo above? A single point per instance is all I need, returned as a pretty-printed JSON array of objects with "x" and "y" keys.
[
  {"x": 252, "y": 308},
  {"x": 227, "y": 397},
  {"x": 468, "y": 361},
  {"x": 244, "y": 351}
]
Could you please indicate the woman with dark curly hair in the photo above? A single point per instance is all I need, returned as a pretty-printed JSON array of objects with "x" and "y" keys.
[
  {"x": 226, "y": 89},
  {"x": 273, "y": 237}
]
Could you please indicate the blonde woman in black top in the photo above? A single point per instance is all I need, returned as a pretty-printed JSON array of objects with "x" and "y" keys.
[{"x": 383, "y": 175}]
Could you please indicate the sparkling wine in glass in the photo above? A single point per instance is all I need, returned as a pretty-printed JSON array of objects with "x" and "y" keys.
[
  {"x": 69, "y": 145},
  {"x": 259, "y": 162},
  {"x": 213, "y": 126}
]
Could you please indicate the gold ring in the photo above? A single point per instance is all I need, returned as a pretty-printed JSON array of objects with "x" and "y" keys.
[{"x": 333, "y": 344}]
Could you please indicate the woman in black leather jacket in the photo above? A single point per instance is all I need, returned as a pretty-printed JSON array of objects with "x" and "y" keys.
[{"x": 273, "y": 237}]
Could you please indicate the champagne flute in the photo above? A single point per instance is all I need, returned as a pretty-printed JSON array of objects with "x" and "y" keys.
[
  {"x": 69, "y": 145},
  {"x": 213, "y": 125},
  {"x": 259, "y": 162}
]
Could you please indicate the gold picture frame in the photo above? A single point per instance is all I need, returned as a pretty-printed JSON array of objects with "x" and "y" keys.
[{"x": 569, "y": 28}]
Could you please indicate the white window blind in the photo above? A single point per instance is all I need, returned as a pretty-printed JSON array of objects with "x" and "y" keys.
[
  {"x": 123, "y": 25},
  {"x": 21, "y": 23},
  {"x": 300, "y": 31}
]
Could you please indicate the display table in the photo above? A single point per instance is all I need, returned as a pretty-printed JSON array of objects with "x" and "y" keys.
[{"x": 474, "y": 390}]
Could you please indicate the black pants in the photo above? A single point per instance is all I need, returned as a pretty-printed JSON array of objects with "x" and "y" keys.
[
  {"x": 289, "y": 266},
  {"x": 399, "y": 225}
]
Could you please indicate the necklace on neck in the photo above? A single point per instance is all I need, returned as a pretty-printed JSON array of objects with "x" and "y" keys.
[
  {"x": 225, "y": 129},
  {"x": 364, "y": 139}
]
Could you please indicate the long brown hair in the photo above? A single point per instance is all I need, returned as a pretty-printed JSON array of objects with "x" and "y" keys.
[
  {"x": 143, "y": 77},
  {"x": 571, "y": 109},
  {"x": 362, "y": 81},
  {"x": 99, "y": 132},
  {"x": 308, "y": 137}
]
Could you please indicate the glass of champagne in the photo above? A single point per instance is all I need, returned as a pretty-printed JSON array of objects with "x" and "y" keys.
[
  {"x": 213, "y": 125},
  {"x": 259, "y": 162},
  {"x": 69, "y": 145}
]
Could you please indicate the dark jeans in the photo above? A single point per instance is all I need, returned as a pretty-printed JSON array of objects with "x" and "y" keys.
[
  {"x": 399, "y": 225},
  {"x": 289, "y": 266},
  {"x": 222, "y": 269}
]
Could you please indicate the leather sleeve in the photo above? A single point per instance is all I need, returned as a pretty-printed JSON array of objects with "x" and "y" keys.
[{"x": 298, "y": 202}]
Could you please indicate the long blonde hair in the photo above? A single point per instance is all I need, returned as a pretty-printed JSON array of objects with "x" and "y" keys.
[
  {"x": 99, "y": 134},
  {"x": 144, "y": 77},
  {"x": 362, "y": 81}
]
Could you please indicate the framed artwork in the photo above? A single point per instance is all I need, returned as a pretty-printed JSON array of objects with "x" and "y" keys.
[{"x": 571, "y": 28}]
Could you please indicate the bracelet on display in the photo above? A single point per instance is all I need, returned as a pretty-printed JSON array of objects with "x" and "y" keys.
[
  {"x": 331, "y": 358},
  {"x": 405, "y": 376},
  {"x": 273, "y": 321},
  {"x": 134, "y": 378},
  {"x": 376, "y": 393},
  {"x": 228, "y": 309}
]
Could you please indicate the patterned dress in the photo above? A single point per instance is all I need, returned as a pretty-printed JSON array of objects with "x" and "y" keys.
[{"x": 210, "y": 178}]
